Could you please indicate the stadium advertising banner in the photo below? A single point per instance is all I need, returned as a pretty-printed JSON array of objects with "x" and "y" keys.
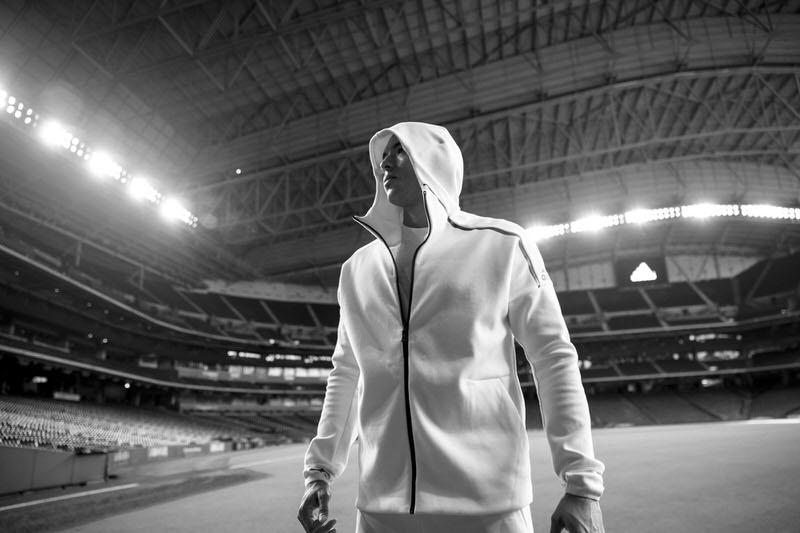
[
  {"x": 641, "y": 271},
  {"x": 155, "y": 452}
]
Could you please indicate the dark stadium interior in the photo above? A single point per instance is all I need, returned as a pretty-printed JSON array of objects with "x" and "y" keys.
[{"x": 657, "y": 144}]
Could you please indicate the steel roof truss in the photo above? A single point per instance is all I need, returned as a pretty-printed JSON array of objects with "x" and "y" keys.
[
  {"x": 654, "y": 310},
  {"x": 599, "y": 314},
  {"x": 712, "y": 306}
]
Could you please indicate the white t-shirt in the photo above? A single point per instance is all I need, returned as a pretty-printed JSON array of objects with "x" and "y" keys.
[{"x": 410, "y": 240}]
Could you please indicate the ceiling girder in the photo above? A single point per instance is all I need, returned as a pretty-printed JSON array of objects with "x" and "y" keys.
[
  {"x": 527, "y": 110},
  {"x": 588, "y": 18},
  {"x": 621, "y": 129},
  {"x": 656, "y": 313}
]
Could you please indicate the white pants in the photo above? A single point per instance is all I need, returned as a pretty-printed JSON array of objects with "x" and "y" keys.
[{"x": 518, "y": 521}]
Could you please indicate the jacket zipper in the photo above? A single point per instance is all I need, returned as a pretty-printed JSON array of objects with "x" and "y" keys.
[{"x": 404, "y": 319}]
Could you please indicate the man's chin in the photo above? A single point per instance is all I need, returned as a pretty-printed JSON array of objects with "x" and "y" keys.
[{"x": 392, "y": 197}]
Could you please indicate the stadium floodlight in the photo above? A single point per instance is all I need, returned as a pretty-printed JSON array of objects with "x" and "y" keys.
[
  {"x": 171, "y": 209},
  {"x": 540, "y": 233},
  {"x": 640, "y": 216},
  {"x": 697, "y": 210},
  {"x": 770, "y": 211},
  {"x": 54, "y": 134},
  {"x": 706, "y": 210},
  {"x": 100, "y": 164},
  {"x": 140, "y": 189},
  {"x": 594, "y": 223},
  {"x": 18, "y": 109}
]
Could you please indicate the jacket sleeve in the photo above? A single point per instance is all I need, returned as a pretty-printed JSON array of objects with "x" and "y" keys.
[
  {"x": 327, "y": 453},
  {"x": 538, "y": 325}
]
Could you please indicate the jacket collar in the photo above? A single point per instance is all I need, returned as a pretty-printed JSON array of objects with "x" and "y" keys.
[{"x": 386, "y": 223}]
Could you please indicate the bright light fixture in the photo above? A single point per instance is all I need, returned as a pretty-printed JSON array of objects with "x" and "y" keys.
[
  {"x": 594, "y": 223},
  {"x": 140, "y": 188},
  {"x": 101, "y": 164},
  {"x": 171, "y": 209},
  {"x": 539, "y": 233},
  {"x": 771, "y": 211},
  {"x": 54, "y": 134},
  {"x": 709, "y": 210},
  {"x": 640, "y": 216}
]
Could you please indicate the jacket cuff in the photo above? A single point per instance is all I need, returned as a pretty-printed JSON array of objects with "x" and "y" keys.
[
  {"x": 316, "y": 474},
  {"x": 585, "y": 484}
]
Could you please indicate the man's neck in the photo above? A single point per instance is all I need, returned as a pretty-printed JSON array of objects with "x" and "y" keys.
[{"x": 415, "y": 218}]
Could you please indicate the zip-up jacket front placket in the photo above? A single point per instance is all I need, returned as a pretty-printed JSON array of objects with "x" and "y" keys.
[{"x": 405, "y": 319}]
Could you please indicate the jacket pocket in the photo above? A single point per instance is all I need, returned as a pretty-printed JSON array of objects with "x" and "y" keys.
[{"x": 491, "y": 407}]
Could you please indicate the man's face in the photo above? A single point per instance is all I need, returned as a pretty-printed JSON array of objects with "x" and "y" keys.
[{"x": 399, "y": 179}]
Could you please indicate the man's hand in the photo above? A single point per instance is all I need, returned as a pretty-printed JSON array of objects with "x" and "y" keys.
[
  {"x": 577, "y": 515},
  {"x": 313, "y": 513}
]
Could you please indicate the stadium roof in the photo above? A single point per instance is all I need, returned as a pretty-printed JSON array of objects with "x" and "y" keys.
[{"x": 256, "y": 114}]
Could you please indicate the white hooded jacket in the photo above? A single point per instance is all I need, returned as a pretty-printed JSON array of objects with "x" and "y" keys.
[{"x": 433, "y": 397}]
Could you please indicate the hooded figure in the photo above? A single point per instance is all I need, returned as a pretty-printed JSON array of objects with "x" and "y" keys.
[{"x": 424, "y": 370}]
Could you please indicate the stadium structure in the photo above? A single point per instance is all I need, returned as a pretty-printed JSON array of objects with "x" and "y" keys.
[{"x": 178, "y": 182}]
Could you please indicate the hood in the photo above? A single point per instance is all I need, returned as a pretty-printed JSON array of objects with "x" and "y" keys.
[{"x": 437, "y": 162}]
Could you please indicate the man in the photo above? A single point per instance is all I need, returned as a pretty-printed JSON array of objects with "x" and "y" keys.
[{"x": 424, "y": 369}]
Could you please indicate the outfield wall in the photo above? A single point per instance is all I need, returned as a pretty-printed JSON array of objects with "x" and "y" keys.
[{"x": 24, "y": 469}]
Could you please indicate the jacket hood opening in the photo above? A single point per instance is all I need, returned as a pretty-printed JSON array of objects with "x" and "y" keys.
[{"x": 437, "y": 162}]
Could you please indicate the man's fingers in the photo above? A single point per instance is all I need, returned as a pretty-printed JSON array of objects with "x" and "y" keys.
[
  {"x": 323, "y": 497},
  {"x": 559, "y": 523},
  {"x": 307, "y": 521},
  {"x": 568, "y": 523},
  {"x": 327, "y": 527},
  {"x": 306, "y": 513},
  {"x": 315, "y": 503}
]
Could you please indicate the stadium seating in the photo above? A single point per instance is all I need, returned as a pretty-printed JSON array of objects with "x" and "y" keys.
[
  {"x": 637, "y": 368},
  {"x": 776, "y": 403},
  {"x": 690, "y": 406},
  {"x": 670, "y": 408},
  {"x": 294, "y": 418},
  {"x": 612, "y": 410},
  {"x": 721, "y": 404},
  {"x": 679, "y": 365},
  {"x": 38, "y": 422}
]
